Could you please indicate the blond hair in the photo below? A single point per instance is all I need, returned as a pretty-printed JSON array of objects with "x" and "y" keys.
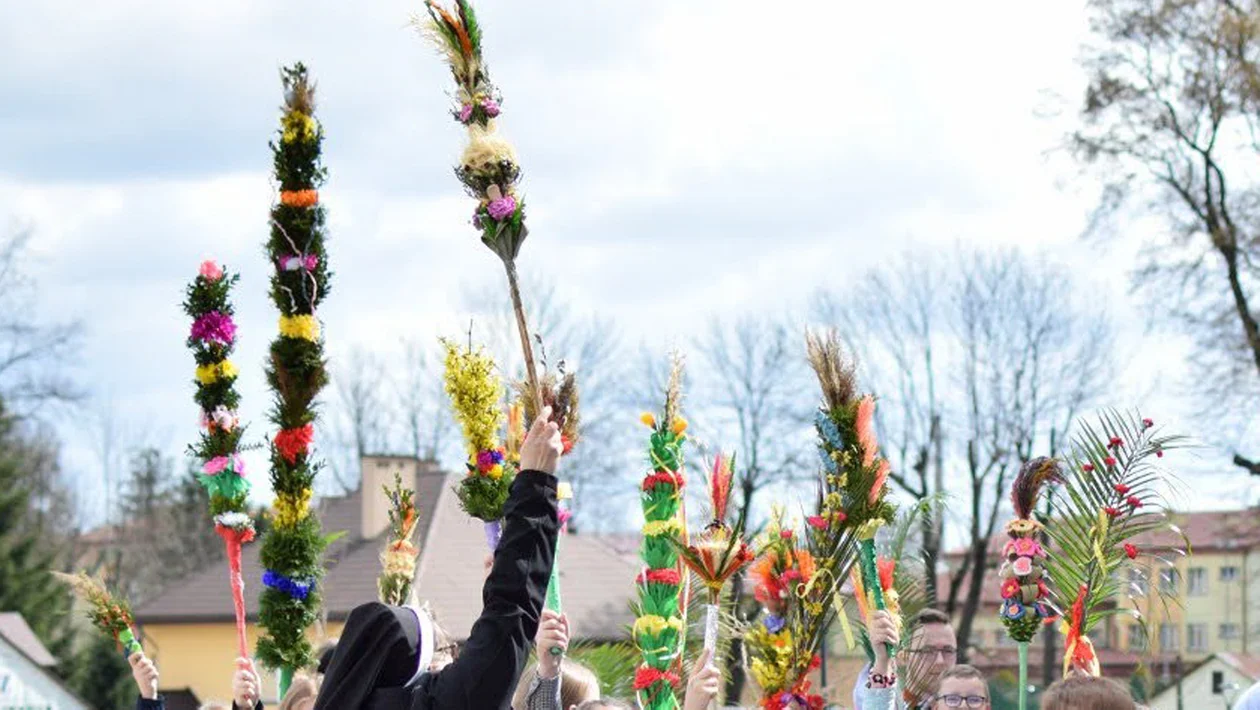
[
  {"x": 1087, "y": 693},
  {"x": 578, "y": 684},
  {"x": 302, "y": 689}
]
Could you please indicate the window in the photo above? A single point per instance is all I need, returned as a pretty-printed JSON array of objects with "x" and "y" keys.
[
  {"x": 1196, "y": 638},
  {"x": 1229, "y": 631},
  {"x": 1137, "y": 638},
  {"x": 1169, "y": 639},
  {"x": 1169, "y": 582},
  {"x": 1137, "y": 582},
  {"x": 1196, "y": 582},
  {"x": 1229, "y": 574}
]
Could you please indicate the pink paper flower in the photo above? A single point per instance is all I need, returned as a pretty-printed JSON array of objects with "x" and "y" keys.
[
  {"x": 491, "y": 107},
  {"x": 1028, "y": 547},
  {"x": 210, "y": 270},
  {"x": 465, "y": 113},
  {"x": 214, "y": 328},
  {"x": 1022, "y": 566},
  {"x": 501, "y": 208}
]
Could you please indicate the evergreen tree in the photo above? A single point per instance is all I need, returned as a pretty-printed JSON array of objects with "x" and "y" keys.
[
  {"x": 102, "y": 676},
  {"x": 27, "y": 552}
]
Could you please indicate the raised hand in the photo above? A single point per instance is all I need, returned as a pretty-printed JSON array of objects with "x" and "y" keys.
[
  {"x": 145, "y": 674},
  {"x": 246, "y": 686},
  {"x": 543, "y": 445}
]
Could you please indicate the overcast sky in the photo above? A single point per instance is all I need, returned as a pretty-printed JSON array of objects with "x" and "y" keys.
[{"x": 681, "y": 158}]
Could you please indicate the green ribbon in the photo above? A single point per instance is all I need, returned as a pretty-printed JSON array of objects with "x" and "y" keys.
[
  {"x": 870, "y": 579},
  {"x": 553, "y": 591}
]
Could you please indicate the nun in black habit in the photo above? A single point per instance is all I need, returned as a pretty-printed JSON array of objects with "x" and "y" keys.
[{"x": 382, "y": 658}]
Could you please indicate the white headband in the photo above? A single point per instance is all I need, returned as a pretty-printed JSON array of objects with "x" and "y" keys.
[{"x": 426, "y": 643}]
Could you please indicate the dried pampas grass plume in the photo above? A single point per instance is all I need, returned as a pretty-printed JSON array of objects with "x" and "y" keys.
[{"x": 836, "y": 371}]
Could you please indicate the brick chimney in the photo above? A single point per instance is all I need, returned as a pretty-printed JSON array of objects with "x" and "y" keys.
[{"x": 378, "y": 473}]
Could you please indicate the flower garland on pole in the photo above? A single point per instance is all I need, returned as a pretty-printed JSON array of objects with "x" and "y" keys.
[
  {"x": 489, "y": 169},
  {"x": 855, "y": 477},
  {"x": 658, "y": 628},
  {"x": 1110, "y": 494},
  {"x": 293, "y": 549},
  {"x": 398, "y": 559},
  {"x": 109, "y": 614},
  {"x": 1025, "y": 595},
  {"x": 212, "y": 339}
]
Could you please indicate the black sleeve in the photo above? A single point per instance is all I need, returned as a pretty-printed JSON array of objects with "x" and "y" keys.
[
  {"x": 484, "y": 676},
  {"x": 145, "y": 704},
  {"x": 257, "y": 706}
]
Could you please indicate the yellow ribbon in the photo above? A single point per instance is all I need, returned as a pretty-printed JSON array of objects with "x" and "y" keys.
[{"x": 844, "y": 621}]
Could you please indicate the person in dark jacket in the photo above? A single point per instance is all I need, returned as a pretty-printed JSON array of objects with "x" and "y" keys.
[{"x": 383, "y": 656}]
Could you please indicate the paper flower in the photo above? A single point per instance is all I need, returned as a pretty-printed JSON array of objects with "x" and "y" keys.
[
  {"x": 291, "y": 443},
  {"x": 304, "y": 327},
  {"x": 1131, "y": 550},
  {"x": 210, "y": 270}
]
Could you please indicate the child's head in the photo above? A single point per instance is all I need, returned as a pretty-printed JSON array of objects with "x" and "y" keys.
[
  {"x": 1082, "y": 692},
  {"x": 301, "y": 694},
  {"x": 961, "y": 687},
  {"x": 578, "y": 685},
  {"x": 604, "y": 704}
]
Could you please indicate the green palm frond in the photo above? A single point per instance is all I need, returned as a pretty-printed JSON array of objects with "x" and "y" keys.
[{"x": 1114, "y": 491}]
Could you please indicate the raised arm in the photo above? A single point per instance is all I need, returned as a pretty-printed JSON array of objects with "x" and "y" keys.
[{"x": 486, "y": 672}]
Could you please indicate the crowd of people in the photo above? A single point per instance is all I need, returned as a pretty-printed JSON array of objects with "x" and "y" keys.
[{"x": 398, "y": 658}]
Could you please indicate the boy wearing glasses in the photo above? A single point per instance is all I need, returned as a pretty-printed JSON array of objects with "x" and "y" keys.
[
  {"x": 962, "y": 687},
  {"x": 909, "y": 684}
]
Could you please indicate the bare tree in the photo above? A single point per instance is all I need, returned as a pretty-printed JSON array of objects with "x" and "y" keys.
[
  {"x": 422, "y": 405},
  {"x": 34, "y": 353},
  {"x": 590, "y": 345},
  {"x": 1171, "y": 118},
  {"x": 980, "y": 362},
  {"x": 361, "y": 416}
]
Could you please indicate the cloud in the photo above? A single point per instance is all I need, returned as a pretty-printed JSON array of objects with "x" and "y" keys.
[{"x": 680, "y": 159}]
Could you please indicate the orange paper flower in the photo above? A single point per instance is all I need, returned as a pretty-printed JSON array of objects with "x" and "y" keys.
[{"x": 299, "y": 198}]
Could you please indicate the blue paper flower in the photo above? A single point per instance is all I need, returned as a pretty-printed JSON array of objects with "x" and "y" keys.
[
  {"x": 292, "y": 587},
  {"x": 774, "y": 624}
]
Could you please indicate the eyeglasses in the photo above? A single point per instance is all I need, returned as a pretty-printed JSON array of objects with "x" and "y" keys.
[
  {"x": 957, "y": 701},
  {"x": 947, "y": 653}
]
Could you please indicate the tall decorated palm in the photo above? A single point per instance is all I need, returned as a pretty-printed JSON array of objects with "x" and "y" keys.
[
  {"x": 293, "y": 549},
  {"x": 855, "y": 477},
  {"x": 489, "y": 169},
  {"x": 658, "y": 630},
  {"x": 212, "y": 339},
  {"x": 1112, "y": 493}
]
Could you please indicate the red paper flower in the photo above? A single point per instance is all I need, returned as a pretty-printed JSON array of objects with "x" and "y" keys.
[
  {"x": 1113, "y": 512},
  {"x": 1121, "y": 489},
  {"x": 1131, "y": 550},
  {"x": 817, "y": 521},
  {"x": 1116, "y": 442},
  {"x": 1148, "y": 423},
  {"x": 659, "y": 576},
  {"x": 1010, "y": 588},
  {"x": 566, "y": 445},
  {"x": 815, "y": 663},
  {"x": 1109, "y": 461},
  {"x": 785, "y": 534},
  {"x": 668, "y": 478},
  {"x": 294, "y": 442},
  {"x": 645, "y": 678},
  {"x": 1088, "y": 468},
  {"x": 1159, "y": 453},
  {"x": 1134, "y": 502}
]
